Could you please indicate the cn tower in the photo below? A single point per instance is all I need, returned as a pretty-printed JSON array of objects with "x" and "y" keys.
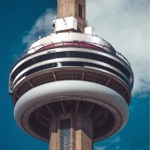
[{"x": 72, "y": 88}]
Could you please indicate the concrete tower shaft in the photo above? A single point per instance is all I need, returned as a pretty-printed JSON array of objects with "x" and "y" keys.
[{"x": 73, "y": 8}]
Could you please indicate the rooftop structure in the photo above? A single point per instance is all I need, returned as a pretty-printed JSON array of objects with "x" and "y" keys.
[{"x": 72, "y": 88}]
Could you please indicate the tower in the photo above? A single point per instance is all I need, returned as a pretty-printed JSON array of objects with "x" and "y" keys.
[{"x": 72, "y": 88}]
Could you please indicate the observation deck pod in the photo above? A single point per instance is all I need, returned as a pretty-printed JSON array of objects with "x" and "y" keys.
[{"x": 71, "y": 73}]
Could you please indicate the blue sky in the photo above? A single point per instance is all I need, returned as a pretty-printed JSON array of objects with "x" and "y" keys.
[{"x": 124, "y": 23}]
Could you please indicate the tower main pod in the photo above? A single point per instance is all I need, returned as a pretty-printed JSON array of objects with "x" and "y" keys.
[{"x": 71, "y": 88}]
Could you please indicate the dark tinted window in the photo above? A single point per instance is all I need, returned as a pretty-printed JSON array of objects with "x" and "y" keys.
[
  {"x": 80, "y": 10},
  {"x": 71, "y": 54}
]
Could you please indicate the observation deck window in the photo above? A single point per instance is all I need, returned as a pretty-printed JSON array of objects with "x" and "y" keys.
[
  {"x": 80, "y": 10},
  {"x": 75, "y": 54}
]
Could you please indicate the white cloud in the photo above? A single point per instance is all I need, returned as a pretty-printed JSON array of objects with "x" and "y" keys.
[
  {"x": 125, "y": 23},
  {"x": 42, "y": 27},
  {"x": 100, "y": 148},
  {"x": 110, "y": 143}
]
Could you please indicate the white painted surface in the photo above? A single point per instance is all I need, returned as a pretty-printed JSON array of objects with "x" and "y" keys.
[{"x": 78, "y": 90}]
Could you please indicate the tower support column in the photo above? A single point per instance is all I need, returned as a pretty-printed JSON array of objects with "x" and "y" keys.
[
  {"x": 71, "y": 132},
  {"x": 54, "y": 135},
  {"x": 73, "y": 8}
]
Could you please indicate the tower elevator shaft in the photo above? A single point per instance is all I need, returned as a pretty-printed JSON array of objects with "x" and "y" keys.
[
  {"x": 71, "y": 132},
  {"x": 73, "y": 8}
]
